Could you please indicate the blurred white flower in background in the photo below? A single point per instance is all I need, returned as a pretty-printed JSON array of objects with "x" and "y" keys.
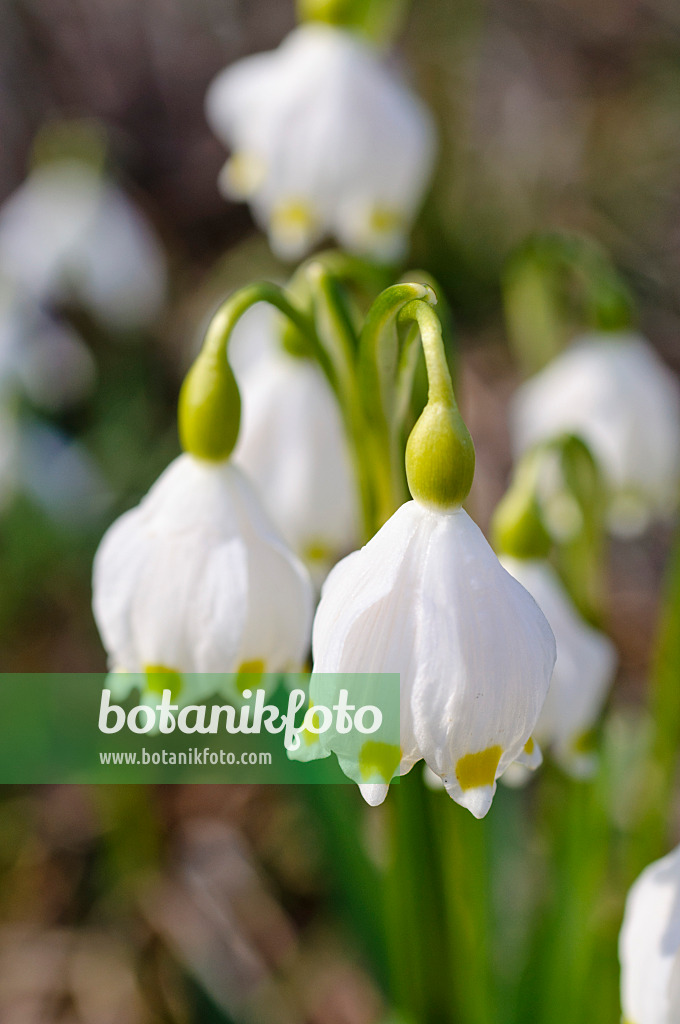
[
  {"x": 428, "y": 598},
  {"x": 584, "y": 670},
  {"x": 614, "y": 392},
  {"x": 60, "y": 475},
  {"x": 43, "y": 356},
  {"x": 195, "y": 579},
  {"x": 325, "y": 140},
  {"x": 68, "y": 234},
  {"x": 292, "y": 444},
  {"x": 649, "y": 945}
]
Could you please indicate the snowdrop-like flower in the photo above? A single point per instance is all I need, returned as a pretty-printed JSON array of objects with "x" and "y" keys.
[
  {"x": 615, "y": 393},
  {"x": 69, "y": 233},
  {"x": 196, "y": 579},
  {"x": 293, "y": 446},
  {"x": 428, "y": 598},
  {"x": 649, "y": 945},
  {"x": 584, "y": 670},
  {"x": 325, "y": 140}
]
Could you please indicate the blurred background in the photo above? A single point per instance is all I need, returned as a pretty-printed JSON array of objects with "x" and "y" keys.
[{"x": 247, "y": 903}]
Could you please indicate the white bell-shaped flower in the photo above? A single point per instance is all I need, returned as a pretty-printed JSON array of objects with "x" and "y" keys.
[
  {"x": 428, "y": 598},
  {"x": 292, "y": 445},
  {"x": 649, "y": 945},
  {"x": 325, "y": 140},
  {"x": 584, "y": 670},
  {"x": 68, "y": 233},
  {"x": 614, "y": 392},
  {"x": 195, "y": 579}
]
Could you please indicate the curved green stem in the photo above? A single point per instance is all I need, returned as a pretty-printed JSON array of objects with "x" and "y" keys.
[
  {"x": 440, "y": 388},
  {"x": 338, "y": 338},
  {"x": 230, "y": 312},
  {"x": 381, "y": 371}
]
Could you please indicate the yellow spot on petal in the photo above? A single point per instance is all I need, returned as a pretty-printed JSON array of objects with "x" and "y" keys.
[
  {"x": 378, "y": 758},
  {"x": 307, "y": 735},
  {"x": 316, "y": 551},
  {"x": 385, "y": 221},
  {"x": 249, "y": 674},
  {"x": 529, "y": 746},
  {"x": 159, "y": 678},
  {"x": 474, "y": 770},
  {"x": 293, "y": 225},
  {"x": 242, "y": 175}
]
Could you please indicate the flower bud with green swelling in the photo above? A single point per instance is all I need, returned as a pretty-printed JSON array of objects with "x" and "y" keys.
[
  {"x": 440, "y": 455},
  {"x": 440, "y": 458},
  {"x": 209, "y": 411}
]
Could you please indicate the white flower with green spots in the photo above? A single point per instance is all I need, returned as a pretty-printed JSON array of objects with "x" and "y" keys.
[
  {"x": 195, "y": 579},
  {"x": 428, "y": 598},
  {"x": 325, "y": 141}
]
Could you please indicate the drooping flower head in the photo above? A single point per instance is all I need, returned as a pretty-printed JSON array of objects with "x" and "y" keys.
[
  {"x": 428, "y": 598},
  {"x": 649, "y": 945},
  {"x": 325, "y": 140},
  {"x": 612, "y": 390},
  {"x": 196, "y": 579}
]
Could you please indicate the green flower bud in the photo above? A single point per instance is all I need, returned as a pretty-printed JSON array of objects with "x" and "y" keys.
[
  {"x": 517, "y": 528},
  {"x": 209, "y": 411},
  {"x": 440, "y": 457}
]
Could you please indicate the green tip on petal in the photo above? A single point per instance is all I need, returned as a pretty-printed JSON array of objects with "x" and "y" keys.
[
  {"x": 440, "y": 458},
  {"x": 209, "y": 413}
]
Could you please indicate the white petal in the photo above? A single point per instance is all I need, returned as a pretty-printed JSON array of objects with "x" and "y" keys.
[
  {"x": 293, "y": 446},
  {"x": 613, "y": 391},
  {"x": 483, "y": 672},
  {"x": 649, "y": 945},
  {"x": 373, "y": 793}
]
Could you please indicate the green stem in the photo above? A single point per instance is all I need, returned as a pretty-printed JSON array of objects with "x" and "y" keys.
[
  {"x": 378, "y": 367},
  {"x": 440, "y": 388},
  {"x": 230, "y": 312}
]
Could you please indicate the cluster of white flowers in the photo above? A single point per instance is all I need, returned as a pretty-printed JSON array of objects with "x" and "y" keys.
[
  {"x": 197, "y": 580},
  {"x": 612, "y": 391},
  {"x": 325, "y": 140}
]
